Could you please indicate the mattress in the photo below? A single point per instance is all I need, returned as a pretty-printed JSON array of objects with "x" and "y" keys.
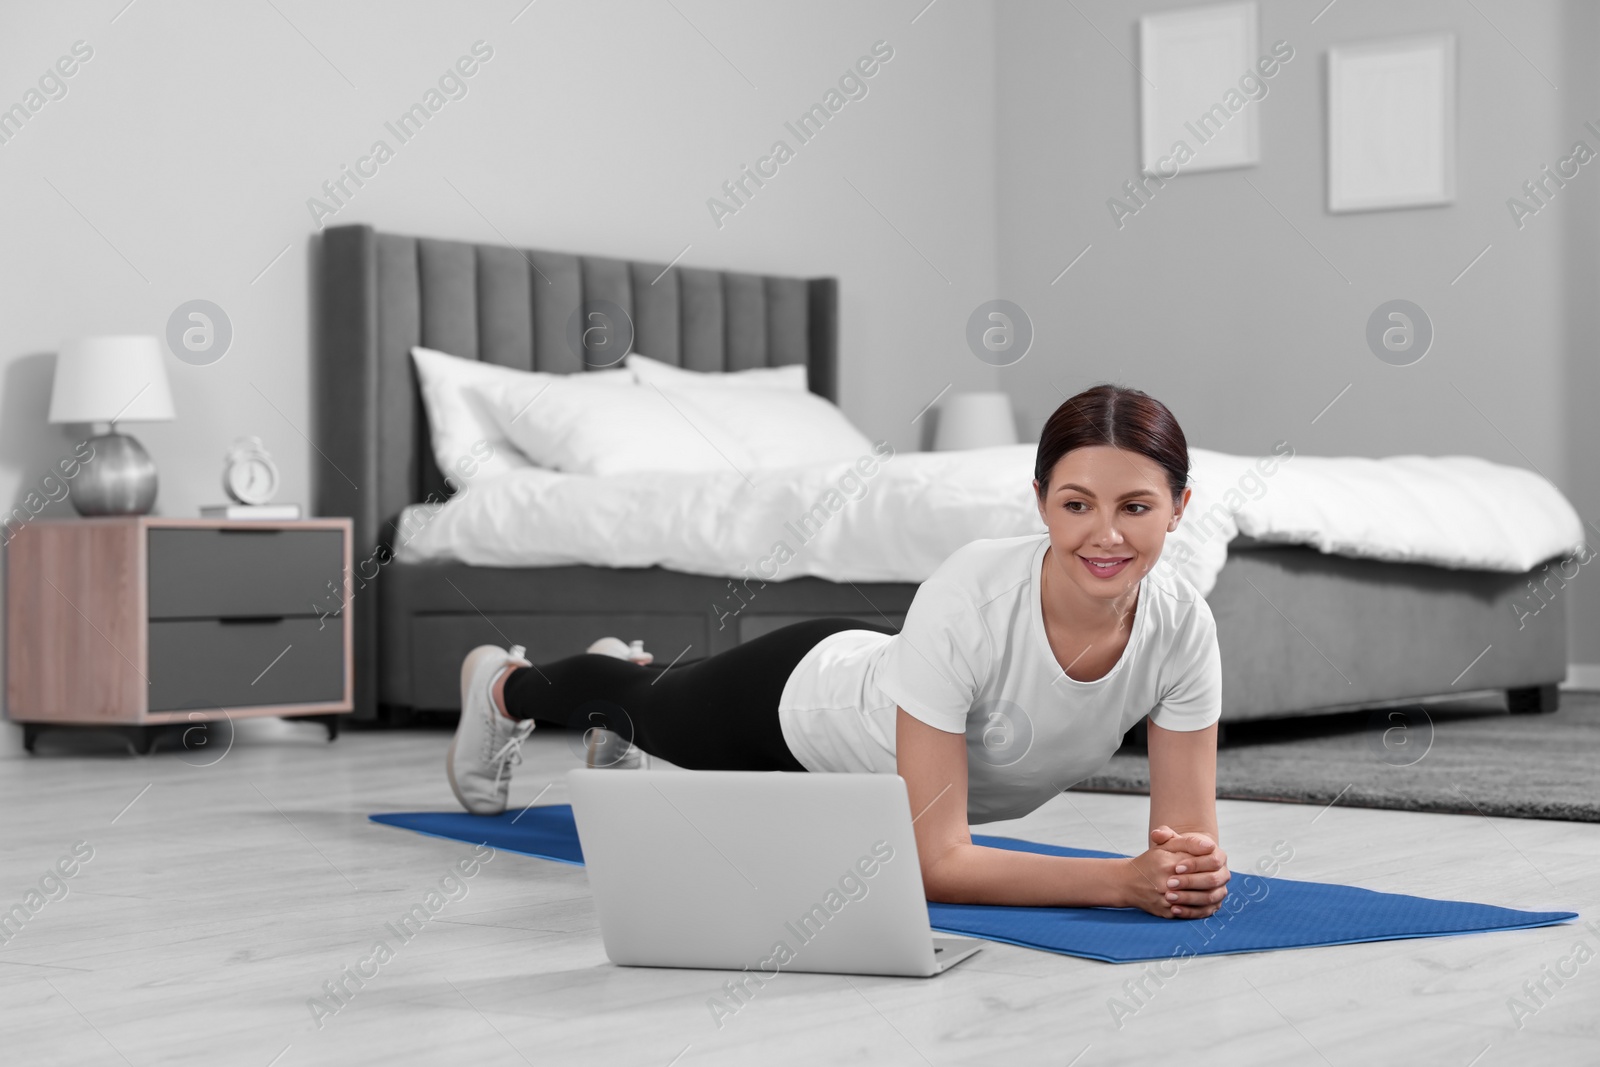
[{"x": 894, "y": 517}]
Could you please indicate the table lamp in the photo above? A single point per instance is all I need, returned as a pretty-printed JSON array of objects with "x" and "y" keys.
[
  {"x": 109, "y": 380},
  {"x": 974, "y": 420}
]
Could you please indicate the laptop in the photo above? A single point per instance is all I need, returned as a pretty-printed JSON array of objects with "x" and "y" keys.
[{"x": 762, "y": 871}]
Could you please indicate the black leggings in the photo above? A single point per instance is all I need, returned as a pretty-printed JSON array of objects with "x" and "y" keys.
[{"x": 717, "y": 713}]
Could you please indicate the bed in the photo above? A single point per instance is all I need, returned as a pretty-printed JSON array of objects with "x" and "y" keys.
[{"x": 1296, "y": 625}]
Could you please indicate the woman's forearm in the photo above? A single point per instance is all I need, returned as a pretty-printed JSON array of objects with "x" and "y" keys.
[
  {"x": 1183, "y": 780},
  {"x": 1201, "y": 825},
  {"x": 975, "y": 874}
]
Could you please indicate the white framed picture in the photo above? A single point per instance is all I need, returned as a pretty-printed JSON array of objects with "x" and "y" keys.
[
  {"x": 1190, "y": 64},
  {"x": 1392, "y": 123}
]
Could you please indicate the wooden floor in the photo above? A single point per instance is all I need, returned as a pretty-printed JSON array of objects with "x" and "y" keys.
[{"x": 221, "y": 897}]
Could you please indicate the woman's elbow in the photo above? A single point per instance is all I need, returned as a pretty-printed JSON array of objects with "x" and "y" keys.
[
  {"x": 932, "y": 884},
  {"x": 940, "y": 881}
]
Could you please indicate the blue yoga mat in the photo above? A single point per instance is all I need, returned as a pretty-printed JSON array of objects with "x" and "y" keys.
[{"x": 1267, "y": 913}]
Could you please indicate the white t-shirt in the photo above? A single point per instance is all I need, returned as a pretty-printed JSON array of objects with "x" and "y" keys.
[{"x": 973, "y": 658}]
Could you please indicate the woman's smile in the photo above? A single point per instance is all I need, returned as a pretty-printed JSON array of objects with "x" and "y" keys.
[{"x": 1104, "y": 567}]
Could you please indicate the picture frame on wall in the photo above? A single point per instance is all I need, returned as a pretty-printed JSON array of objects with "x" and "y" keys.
[
  {"x": 1392, "y": 123},
  {"x": 1190, "y": 63}
]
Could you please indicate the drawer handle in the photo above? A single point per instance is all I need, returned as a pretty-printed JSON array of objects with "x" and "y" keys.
[{"x": 250, "y": 618}]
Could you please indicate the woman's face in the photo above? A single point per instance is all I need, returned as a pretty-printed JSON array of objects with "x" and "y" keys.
[{"x": 1108, "y": 511}]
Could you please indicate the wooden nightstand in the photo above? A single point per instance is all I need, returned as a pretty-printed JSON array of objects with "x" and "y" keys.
[{"x": 145, "y": 623}]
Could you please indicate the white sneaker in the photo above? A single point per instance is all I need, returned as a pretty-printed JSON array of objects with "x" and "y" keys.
[
  {"x": 607, "y": 749},
  {"x": 610, "y": 751},
  {"x": 487, "y": 744},
  {"x": 619, "y": 649}
]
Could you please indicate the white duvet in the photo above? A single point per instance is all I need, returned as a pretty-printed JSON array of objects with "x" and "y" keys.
[{"x": 895, "y": 519}]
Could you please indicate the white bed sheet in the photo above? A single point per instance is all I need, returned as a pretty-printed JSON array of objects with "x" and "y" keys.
[{"x": 898, "y": 523}]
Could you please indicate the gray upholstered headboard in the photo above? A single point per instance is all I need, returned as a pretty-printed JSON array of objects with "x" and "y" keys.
[{"x": 378, "y": 294}]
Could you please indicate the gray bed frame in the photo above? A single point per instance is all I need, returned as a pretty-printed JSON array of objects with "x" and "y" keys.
[{"x": 1301, "y": 632}]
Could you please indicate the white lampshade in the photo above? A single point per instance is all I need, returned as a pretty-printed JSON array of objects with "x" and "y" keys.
[
  {"x": 113, "y": 378},
  {"x": 974, "y": 420}
]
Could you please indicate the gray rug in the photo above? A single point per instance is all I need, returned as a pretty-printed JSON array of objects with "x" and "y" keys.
[{"x": 1465, "y": 758}]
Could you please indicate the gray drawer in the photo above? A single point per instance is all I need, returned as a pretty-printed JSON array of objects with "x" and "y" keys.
[
  {"x": 200, "y": 663},
  {"x": 220, "y": 573}
]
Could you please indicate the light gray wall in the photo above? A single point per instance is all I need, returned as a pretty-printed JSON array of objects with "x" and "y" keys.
[
  {"x": 185, "y": 150},
  {"x": 194, "y": 137},
  {"x": 1220, "y": 299}
]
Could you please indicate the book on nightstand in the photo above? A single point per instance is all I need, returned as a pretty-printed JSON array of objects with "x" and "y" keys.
[{"x": 270, "y": 512}]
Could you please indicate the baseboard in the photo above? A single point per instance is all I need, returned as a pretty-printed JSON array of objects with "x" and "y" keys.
[{"x": 1582, "y": 676}]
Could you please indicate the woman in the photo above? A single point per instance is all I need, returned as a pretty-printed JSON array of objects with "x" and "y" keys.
[{"x": 1021, "y": 664}]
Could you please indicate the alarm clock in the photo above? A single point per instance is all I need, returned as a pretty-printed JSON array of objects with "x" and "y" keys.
[{"x": 248, "y": 474}]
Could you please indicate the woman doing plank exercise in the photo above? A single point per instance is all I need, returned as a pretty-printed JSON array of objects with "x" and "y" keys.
[{"x": 1021, "y": 664}]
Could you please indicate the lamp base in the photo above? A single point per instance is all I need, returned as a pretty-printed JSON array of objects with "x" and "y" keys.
[
  {"x": 974, "y": 420},
  {"x": 119, "y": 480}
]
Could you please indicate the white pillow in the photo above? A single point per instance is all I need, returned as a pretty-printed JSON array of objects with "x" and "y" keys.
[
  {"x": 654, "y": 372},
  {"x": 568, "y": 423},
  {"x": 780, "y": 427},
  {"x": 467, "y": 442}
]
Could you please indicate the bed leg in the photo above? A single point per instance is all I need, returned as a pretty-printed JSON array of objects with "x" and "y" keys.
[
  {"x": 1534, "y": 700},
  {"x": 142, "y": 738}
]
